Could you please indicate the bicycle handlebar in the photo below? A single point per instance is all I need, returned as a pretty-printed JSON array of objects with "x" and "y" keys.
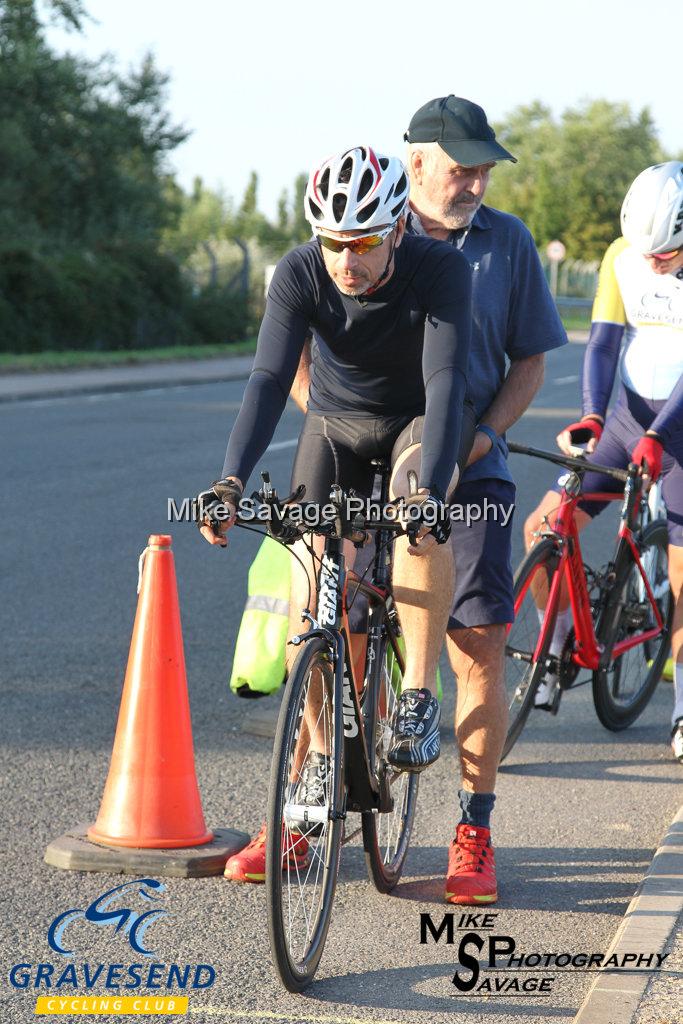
[
  {"x": 291, "y": 518},
  {"x": 575, "y": 462}
]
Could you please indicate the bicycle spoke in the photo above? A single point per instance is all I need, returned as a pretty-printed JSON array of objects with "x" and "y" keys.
[
  {"x": 522, "y": 671},
  {"x": 306, "y": 826},
  {"x": 622, "y": 690},
  {"x": 386, "y": 834}
]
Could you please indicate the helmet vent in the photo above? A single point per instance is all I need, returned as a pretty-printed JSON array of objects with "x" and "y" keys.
[
  {"x": 397, "y": 209},
  {"x": 366, "y": 183},
  {"x": 315, "y": 210},
  {"x": 384, "y": 162},
  {"x": 367, "y": 211},
  {"x": 324, "y": 184},
  {"x": 338, "y": 205},
  {"x": 345, "y": 171},
  {"x": 401, "y": 185}
]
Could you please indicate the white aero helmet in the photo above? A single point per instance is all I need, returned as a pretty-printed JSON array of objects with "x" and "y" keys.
[
  {"x": 652, "y": 212},
  {"x": 357, "y": 190}
]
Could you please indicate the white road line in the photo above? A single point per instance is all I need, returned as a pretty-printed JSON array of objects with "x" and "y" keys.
[
  {"x": 551, "y": 412},
  {"x": 573, "y": 379},
  {"x": 279, "y": 445}
]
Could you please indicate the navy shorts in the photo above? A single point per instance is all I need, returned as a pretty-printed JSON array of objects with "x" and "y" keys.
[
  {"x": 483, "y": 555},
  {"x": 631, "y": 417}
]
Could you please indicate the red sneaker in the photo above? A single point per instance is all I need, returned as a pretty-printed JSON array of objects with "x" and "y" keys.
[
  {"x": 471, "y": 867},
  {"x": 249, "y": 865}
]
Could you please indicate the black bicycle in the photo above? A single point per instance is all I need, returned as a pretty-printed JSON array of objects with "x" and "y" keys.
[{"x": 329, "y": 713}]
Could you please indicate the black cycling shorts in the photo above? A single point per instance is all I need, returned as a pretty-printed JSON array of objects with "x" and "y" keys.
[{"x": 338, "y": 450}]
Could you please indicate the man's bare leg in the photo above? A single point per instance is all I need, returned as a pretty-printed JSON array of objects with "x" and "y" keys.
[
  {"x": 423, "y": 591},
  {"x": 544, "y": 513},
  {"x": 303, "y": 594},
  {"x": 477, "y": 658}
]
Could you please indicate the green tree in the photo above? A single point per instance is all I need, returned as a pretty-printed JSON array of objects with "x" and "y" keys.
[
  {"x": 86, "y": 200},
  {"x": 573, "y": 173}
]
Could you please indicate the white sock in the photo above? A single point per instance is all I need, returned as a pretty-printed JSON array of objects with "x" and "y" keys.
[
  {"x": 562, "y": 626},
  {"x": 678, "y": 693}
]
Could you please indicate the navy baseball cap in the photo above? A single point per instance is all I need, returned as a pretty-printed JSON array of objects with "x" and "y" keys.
[{"x": 461, "y": 129}]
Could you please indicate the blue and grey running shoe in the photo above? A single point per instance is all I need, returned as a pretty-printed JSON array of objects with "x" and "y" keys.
[{"x": 416, "y": 741}]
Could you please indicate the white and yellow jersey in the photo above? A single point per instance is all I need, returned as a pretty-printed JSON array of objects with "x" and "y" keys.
[{"x": 650, "y": 308}]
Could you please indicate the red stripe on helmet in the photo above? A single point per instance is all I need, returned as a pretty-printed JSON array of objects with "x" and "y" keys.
[
  {"x": 315, "y": 186},
  {"x": 375, "y": 163}
]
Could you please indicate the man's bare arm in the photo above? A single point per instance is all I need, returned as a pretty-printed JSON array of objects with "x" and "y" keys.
[
  {"x": 519, "y": 387},
  {"x": 302, "y": 380}
]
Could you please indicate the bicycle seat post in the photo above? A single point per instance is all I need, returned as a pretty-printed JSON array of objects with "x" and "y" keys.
[
  {"x": 383, "y": 549},
  {"x": 383, "y": 471}
]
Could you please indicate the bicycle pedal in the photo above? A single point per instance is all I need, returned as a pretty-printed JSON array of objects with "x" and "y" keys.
[{"x": 554, "y": 706}]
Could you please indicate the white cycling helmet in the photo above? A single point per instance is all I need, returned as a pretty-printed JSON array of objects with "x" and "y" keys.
[
  {"x": 652, "y": 212},
  {"x": 357, "y": 190}
]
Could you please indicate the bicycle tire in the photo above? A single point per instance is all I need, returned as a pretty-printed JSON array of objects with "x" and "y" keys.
[
  {"x": 624, "y": 610},
  {"x": 386, "y": 835},
  {"x": 521, "y": 683},
  {"x": 297, "y": 933}
]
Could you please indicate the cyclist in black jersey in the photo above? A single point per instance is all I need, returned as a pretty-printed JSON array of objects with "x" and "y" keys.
[{"x": 392, "y": 315}]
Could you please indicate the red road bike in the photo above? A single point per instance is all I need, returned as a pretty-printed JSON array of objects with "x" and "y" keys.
[{"x": 621, "y": 612}]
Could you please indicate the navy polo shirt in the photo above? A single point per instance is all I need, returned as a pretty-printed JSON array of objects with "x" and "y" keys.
[{"x": 514, "y": 313}]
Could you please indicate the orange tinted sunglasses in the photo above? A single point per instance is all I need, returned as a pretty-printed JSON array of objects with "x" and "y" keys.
[{"x": 358, "y": 246}]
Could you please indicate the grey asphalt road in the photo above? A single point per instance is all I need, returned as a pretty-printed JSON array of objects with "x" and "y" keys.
[{"x": 579, "y": 812}]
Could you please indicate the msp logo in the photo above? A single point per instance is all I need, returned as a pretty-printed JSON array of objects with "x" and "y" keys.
[{"x": 103, "y": 912}]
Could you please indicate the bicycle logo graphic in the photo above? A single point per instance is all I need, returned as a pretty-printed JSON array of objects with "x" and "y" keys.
[{"x": 101, "y": 913}]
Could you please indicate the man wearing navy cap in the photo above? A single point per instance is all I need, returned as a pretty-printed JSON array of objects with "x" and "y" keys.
[{"x": 451, "y": 152}]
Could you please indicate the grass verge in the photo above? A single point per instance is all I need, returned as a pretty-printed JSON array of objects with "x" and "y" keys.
[
  {"x": 77, "y": 360},
  {"x": 71, "y": 359}
]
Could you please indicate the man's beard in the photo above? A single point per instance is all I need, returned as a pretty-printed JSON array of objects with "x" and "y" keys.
[{"x": 460, "y": 215}]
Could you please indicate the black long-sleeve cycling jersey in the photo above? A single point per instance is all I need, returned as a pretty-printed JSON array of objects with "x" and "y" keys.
[{"x": 403, "y": 350}]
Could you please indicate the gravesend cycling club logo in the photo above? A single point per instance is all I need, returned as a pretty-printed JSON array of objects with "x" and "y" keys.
[
  {"x": 102, "y": 913},
  {"x": 129, "y": 914}
]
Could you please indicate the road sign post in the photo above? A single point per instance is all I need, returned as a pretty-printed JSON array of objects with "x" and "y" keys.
[{"x": 555, "y": 252}]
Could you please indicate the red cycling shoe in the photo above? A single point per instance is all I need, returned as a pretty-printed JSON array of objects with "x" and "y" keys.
[
  {"x": 471, "y": 867},
  {"x": 249, "y": 865}
]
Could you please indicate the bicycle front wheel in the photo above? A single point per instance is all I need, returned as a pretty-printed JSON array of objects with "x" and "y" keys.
[
  {"x": 622, "y": 690},
  {"x": 524, "y": 671},
  {"x": 304, "y": 833},
  {"x": 386, "y": 835}
]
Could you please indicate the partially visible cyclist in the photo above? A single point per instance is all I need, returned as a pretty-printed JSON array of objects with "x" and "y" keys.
[
  {"x": 392, "y": 314},
  {"x": 637, "y": 324}
]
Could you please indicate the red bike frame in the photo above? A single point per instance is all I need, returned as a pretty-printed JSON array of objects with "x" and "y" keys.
[{"x": 587, "y": 651}]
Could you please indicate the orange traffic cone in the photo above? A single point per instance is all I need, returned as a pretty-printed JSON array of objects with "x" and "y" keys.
[{"x": 151, "y": 798}]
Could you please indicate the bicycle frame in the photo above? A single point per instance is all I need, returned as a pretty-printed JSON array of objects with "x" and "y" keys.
[
  {"x": 353, "y": 714},
  {"x": 588, "y": 653}
]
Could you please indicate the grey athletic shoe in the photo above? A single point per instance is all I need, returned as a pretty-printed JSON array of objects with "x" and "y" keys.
[
  {"x": 312, "y": 788},
  {"x": 416, "y": 741},
  {"x": 677, "y": 740}
]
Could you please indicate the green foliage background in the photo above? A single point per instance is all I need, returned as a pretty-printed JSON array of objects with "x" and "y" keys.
[
  {"x": 96, "y": 239},
  {"x": 101, "y": 249},
  {"x": 573, "y": 172}
]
